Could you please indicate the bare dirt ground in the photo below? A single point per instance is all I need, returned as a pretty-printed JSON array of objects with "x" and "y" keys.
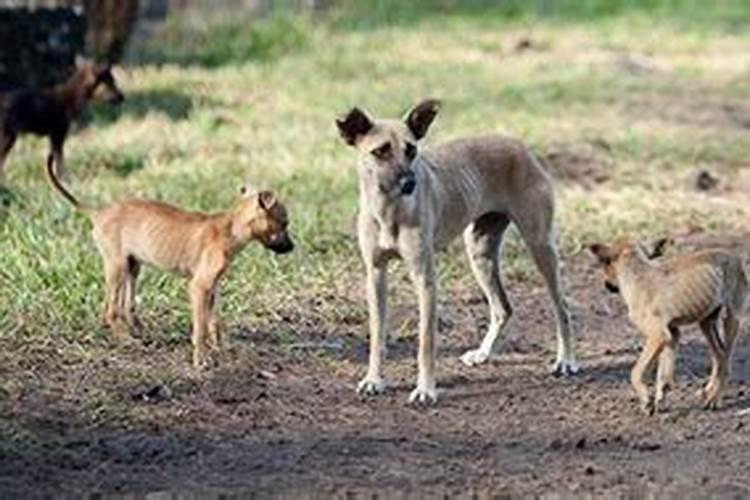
[{"x": 274, "y": 420}]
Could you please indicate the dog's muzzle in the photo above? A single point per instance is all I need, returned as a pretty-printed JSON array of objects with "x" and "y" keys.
[
  {"x": 407, "y": 184},
  {"x": 281, "y": 245},
  {"x": 116, "y": 99},
  {"x": 611, "y": 287}
]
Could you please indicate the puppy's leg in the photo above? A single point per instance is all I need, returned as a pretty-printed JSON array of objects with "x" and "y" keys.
[
  {"x": 731, "y": 329},
  {"x": 199, "y": 298},
  {"x": 536, "y": 227},
  {"x": 129, "y": 302},
  {"x": 215, "y": 336},
  {"x": 7, "y": 140},
  {"x": 422, "y": 271},
  {"x": 202, "y": 286},
  {"x": 665, "y": 374},
  {"x": 115, "y": 271},
  {"x": 483, "y": 240},
  {"x": 712, "y": 390},
  {"x": 654, "y": 344}
]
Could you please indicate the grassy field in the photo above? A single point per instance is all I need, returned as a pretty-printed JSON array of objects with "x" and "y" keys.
[{"x": 625, "y": 106}]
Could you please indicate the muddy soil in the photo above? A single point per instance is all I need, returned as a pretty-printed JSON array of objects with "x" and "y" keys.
[{"x": 288, "y": 422}]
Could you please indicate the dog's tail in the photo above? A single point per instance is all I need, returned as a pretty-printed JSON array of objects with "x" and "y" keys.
[{"x": 52, "y": 177}]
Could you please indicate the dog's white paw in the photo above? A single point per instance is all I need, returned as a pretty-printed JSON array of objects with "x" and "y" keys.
[
  {"x": 475, "y": 357},
  {"x": 565, "y": 368},
  {"x": 423, "y": 395},
  {"x": 371, "y": 386}
]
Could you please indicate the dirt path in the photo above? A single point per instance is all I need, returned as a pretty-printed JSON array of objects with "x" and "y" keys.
[{"x": 288, "y": 421}]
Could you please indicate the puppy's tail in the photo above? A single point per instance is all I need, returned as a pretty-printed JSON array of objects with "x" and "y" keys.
[{"x": 52, "y": 178}]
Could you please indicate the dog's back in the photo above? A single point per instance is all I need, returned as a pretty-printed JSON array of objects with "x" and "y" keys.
[
  {"x": 687, "y": 288},
  {"x": 153, "y": 232},
  {"x": 31, "y": 111}
]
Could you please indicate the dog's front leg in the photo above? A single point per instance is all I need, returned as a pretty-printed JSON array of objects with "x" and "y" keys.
[
  {"x": 423, "y": 275},
  {"x": 377, "y": 290},
  {"x": 199, "y": 303}
]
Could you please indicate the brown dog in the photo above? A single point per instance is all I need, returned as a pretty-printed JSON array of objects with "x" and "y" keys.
[
  {"x": 49, "y": 112},
  {"x": 667, "y": 293},
  {"x": 200, "y": 245}
]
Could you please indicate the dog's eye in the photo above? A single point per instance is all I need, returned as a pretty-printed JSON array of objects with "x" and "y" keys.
[
  {"x": 410, "y": 151},
  {"x": 382, "y": 152}
]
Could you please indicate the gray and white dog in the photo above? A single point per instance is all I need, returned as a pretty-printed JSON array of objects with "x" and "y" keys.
[{"x": 414, "y": 202}]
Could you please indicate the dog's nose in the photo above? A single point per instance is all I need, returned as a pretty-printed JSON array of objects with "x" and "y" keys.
[
  {"x": 284, "y": 246},
  {"x": 408, "y": 185}
]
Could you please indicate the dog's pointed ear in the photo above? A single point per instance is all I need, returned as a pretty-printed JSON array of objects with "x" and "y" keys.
[
  {"x": 421, "y": 117},
  {"x": 601, "y": 252},
  {"x": 658, "y": 248},
  {"x": 354, "y": 125},
  {"x": 266, "y": 200}
]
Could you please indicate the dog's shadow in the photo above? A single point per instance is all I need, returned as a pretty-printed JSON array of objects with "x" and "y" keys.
[{"x": 172, "y": 103}]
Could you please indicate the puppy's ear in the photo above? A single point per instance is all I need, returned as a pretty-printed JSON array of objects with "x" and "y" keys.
[
  {"x": 354, "y": 125},
  {"x": 658, "y": 248},
  {"x": 421, "y": 116},
  {"x": 266, "y": 200},
  {"x": 601, "y": 252}
]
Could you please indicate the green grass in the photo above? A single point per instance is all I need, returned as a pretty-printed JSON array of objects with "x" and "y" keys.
[{"x": 228, "y": 103}]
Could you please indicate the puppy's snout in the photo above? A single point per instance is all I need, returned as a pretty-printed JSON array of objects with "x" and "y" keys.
[
  {"x": 281, "y": 244},
  {"x": 408, "y": 183}
]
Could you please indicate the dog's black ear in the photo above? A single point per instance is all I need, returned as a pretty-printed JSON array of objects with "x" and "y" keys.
[
  {"x": 354, "y": 125},
  {"x": 266, "y": 200},
  {"x": 421, "y": 116},
  {"x": 658, "y": 248},
  {"x": 601, "y": 252}
]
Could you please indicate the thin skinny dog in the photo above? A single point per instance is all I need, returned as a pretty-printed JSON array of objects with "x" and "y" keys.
[
  {"x": 663, "y": 295},
  {"x": 414, "y": 202},
  {"x": 49, "y": 112},
  {"x": 131, "y": 232}
]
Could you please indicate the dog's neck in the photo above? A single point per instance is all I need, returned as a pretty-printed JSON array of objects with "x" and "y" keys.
[
  {"x": 632, "y": 270},
  {"x": 72, "y": 94}
]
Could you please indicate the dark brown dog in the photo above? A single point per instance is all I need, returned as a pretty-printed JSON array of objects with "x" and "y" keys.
[{"x": 49, "y": 112}]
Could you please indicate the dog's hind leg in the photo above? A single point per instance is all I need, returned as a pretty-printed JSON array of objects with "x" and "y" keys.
[
  {"x": 731, "y": 329},
  {"x": 711, "y": 392},
  {"x": 537, "y": 230},
  {"x": 215, "y": 336},
  {"x": 115, "y": 276},
  {"x": 129, "y": 301},
  {"x": 483, "y": 239}
]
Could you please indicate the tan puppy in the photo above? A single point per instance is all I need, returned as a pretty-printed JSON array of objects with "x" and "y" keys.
[
  {"x": 667, "y": 293},
  {"x": 131, "y": 232},
  {"x": 414, "y": 202}
]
